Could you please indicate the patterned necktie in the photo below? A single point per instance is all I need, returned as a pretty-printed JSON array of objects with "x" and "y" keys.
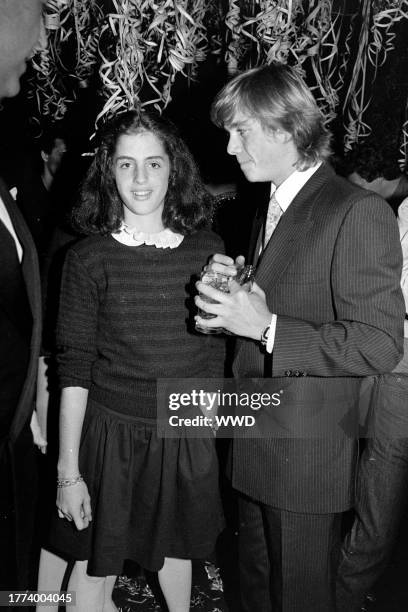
[{"x": 272, "y": 218}]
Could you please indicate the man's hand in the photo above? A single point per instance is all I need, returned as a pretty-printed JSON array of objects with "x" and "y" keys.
[
  {"x": 39, "y": 438},
  {"x": 240, "y": 312},
  {"x": 224, "y": 264},
  {"x": 39, "y": 420}
]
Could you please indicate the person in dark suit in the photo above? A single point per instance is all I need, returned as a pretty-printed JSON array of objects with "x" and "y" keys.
[
  {"x": 326, "y": 310},
  {"x": 382, "y": 479},
  {"x": 20, "y": 318}
]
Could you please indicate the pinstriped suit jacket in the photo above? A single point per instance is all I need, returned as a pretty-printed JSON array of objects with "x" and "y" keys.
[{"x": 331, "y": 272}]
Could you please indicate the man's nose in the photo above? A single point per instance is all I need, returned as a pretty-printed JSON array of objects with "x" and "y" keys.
[{"x": 233, "y": 146}]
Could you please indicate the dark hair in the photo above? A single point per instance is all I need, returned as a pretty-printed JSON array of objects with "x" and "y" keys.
[
  {"x": 50, "y": 134},
  {"x": 373, "y": 158},
  {"x": 276, "y": 96},
  {"x": 187, "y": 205}
]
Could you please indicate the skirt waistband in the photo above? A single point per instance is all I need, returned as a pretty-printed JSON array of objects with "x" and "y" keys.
[
  {"x": 141, "y": 402},
  {"x": 122, "y": 416}
]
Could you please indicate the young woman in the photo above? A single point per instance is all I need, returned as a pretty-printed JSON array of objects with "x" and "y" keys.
[{"x": 124, "y": 492}]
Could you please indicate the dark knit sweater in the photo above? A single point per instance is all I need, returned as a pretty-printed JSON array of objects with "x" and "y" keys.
[{"x": 126, "y": 319}]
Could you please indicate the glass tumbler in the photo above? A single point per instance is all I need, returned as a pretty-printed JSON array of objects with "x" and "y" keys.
[
  {"x": 244, "y": 277},
  {"x": 218, "y": 281}
]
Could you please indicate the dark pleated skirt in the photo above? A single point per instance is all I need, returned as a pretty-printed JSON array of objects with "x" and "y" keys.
[{"x": 151, "y": 497}]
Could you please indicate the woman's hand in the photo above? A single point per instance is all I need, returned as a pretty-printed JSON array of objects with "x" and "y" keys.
[
  {"x": 73, "y": 501},
  {"x": 74, "y": 504}
]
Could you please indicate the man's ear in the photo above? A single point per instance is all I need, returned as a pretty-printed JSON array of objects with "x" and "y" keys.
[
  {"x": 44, "y": 156},
  {"x": 282, "y": 135}
]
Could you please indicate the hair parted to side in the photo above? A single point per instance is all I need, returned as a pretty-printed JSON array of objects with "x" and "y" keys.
[
  {"x": 187, "y": 206},
  {"x": 277, "y": 97}
]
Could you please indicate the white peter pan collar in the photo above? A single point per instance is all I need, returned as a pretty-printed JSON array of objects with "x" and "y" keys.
[{"x": 165, "y": 239}]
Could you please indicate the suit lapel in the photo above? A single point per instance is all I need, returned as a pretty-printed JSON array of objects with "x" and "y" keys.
[
  {"x": 29, "y": 264},
  {"x": 292, "y": 228}
]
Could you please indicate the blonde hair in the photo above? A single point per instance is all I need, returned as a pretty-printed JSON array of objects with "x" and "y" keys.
[{"x": 277, "y": 97}]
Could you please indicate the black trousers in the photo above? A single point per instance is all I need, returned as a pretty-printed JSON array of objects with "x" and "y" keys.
[
  {"x": 287, "y": 560},
  {"x": 382, "y": 494}
]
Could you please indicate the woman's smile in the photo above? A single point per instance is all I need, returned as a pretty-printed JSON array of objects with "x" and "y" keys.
[{"x": 141, "y": 195}]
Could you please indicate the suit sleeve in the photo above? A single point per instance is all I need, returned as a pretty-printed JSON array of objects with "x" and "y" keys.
[{"x": 366, "y": 335}]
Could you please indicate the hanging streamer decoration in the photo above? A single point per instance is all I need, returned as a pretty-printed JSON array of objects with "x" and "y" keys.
[
  {"x": 309, "y": 35},
  {"x": 403, "y": 159},
  {"x": 323, "y": 58},
  {"x": 233, "y": 25},
  {"x": 67, "y": 61},
  {"x": 287, "y": 31},
  {"x": 214, "y": 25},
  {"x": 376, "y": 41},
  {"x": 48, "y": 86},
  {"x": 140, "y": 47},
  {"x": 143, "y": 45},
  {"x": 87, "y": 16}
]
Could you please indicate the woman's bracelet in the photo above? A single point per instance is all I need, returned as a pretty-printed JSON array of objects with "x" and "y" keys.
[{"x": 68, "y": 482}]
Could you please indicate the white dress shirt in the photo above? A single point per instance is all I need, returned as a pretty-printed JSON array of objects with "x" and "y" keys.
[
  {"x": 403, "y": 228},
  {"x": 5, "y": 218}
]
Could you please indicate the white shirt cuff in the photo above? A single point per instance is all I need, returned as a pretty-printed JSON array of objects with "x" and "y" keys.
[{"x": 271, "y": 335}]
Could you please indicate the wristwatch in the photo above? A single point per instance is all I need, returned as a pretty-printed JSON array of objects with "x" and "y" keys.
[{"x": 264, "y": 335}]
